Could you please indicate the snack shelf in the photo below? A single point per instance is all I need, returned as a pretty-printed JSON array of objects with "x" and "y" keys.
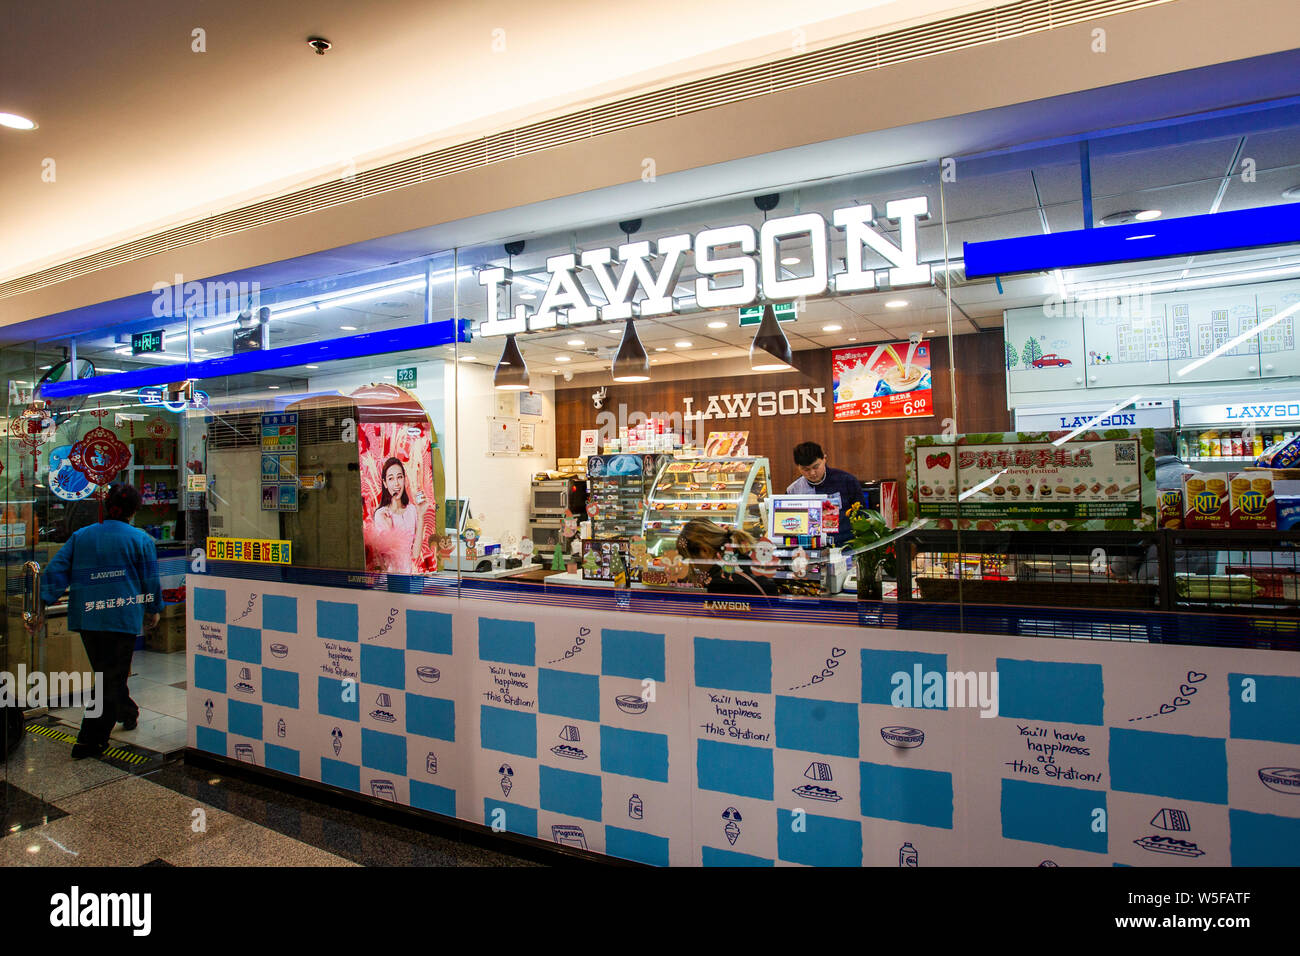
[{"x": 1136, "y": 569}]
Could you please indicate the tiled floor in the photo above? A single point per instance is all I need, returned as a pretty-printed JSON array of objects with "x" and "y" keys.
[
  {"x": 100, "y": 816},
  {"x": 153, "y": 684},
  {"x": 56, "y": 811}
]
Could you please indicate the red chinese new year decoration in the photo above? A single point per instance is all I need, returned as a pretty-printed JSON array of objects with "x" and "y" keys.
[{"x": 99, "y": 454}]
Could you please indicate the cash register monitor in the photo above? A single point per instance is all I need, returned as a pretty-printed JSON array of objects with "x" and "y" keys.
[{"x": 792, "y": 515}]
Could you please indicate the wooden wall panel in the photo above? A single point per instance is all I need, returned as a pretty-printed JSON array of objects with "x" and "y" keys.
[{"x": 867, "y": 449}]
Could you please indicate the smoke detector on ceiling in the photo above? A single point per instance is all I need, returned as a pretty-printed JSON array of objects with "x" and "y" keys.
[{"x": 319, "y": 44}]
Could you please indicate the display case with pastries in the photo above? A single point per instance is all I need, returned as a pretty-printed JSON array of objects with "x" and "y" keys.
[{"x": 727, "y": 491}]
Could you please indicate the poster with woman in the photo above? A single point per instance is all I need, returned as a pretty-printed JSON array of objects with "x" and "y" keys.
[{"x": 400, "y": 486}]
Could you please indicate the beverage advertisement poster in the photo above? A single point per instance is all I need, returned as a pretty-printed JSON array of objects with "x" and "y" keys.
[
  {"x": 1052, "y": 481},
  {"x": 878, "y": 382},
  {"x": 399, "y": 510}
]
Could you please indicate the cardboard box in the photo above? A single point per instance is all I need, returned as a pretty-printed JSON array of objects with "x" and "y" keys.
[
  {"x": 169, "y": 636},
  {"x": 1288, "y": 513},
  {"x": 1205, "y": 500},
  {"x": 1251, "y": 501}
]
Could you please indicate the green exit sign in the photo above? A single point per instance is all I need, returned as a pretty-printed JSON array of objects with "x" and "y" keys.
[
  {"x": 752, "y": 315},
  {"x": 406, "y": 376},
  {"x": 143, "y": 342}
]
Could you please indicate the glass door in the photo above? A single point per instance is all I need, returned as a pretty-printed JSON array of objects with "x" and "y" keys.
[{"x": 47, "y": 496}]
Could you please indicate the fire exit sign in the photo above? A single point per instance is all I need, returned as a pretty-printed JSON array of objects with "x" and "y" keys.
[
  {"x": 143, "y": 342},
  {"x": 406, "y": 376},
  {"x": 753, "y": 314}
]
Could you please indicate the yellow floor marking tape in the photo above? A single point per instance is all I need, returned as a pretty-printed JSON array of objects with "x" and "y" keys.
[{"x": 115, "y": 753}]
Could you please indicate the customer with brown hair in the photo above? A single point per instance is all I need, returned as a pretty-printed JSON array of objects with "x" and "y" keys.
[{"x": 706, "y": 545}]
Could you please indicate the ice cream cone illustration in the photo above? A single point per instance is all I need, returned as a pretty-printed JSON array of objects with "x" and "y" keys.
[
  {"x": 732, "y": 829},
  {"x": 506, "y": 785},
  {"x": 506, "y": 772}
]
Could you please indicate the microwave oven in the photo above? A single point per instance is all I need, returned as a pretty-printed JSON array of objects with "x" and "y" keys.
[{"x": 555, "y": 496}]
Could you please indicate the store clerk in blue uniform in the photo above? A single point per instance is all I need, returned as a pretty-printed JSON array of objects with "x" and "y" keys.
[
  {"x": 817, "y": 478},
  {"x": 112, "y": 571}
]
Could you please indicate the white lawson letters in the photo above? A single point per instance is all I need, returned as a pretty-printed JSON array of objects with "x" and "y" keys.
[{"x": 749, "y": 260}]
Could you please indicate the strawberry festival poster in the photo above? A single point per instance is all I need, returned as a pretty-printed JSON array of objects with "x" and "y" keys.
[{"x": 880, "y": 382}]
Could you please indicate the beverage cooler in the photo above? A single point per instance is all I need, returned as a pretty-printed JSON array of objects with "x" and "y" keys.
[{"x": 1221, "y": 433}]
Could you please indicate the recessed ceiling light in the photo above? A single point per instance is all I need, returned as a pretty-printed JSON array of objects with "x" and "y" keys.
[
  {"x": 929, "y": 331},
  {"x": 852, "y": 338},
  {"x": 273, "y": 386},
  {"x": 468, "y": 358},
  {"x": 14, "y": 121},
  {"x": 682, "y": 345},
  {"x": 896, "y": 304},
  {"x": 713, "y": 353},
  {"x": 717, "y": 325},
  {"x": 654, "y": 361},
  {"x": 528, "y": 295},
  {"x": 313, "y": 366},
  {"x": 562, "y": 358},
  {"x": 790, "y": 261},
  {"x": 1129, "y": 215},
  {"x": 575, "y": 342},
  {"x": 555, "y": 371},
  {"x": 45, "y": 368},
  {"x": 348, "y": 328},
  {"x": 831, "y": 328},
  {"x": 661, "y": 348}
]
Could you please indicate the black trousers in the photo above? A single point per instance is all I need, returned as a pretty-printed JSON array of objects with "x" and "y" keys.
[{"x": 110, "y": 656}]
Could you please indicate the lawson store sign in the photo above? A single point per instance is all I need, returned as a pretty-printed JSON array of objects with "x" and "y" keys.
[{"x": 748, "y": 260}]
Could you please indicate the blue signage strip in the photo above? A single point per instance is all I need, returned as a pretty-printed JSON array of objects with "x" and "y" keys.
[
  {"x": 425, "y": 335},
  {"x": 1157, "y": 239}
]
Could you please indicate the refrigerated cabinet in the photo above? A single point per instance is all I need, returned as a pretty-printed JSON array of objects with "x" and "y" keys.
[{"x": 727, "y": 491}]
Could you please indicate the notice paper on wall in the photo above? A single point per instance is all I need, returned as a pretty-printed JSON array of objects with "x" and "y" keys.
[
  {"x": 503, "y": 436},
  {"x": 530, "y": 404},
  {"x": 280, "y": 462},
  {"x": 527, "y": 438}
]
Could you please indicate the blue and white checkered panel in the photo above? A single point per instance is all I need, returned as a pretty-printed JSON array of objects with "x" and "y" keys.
[{"x": 691, "y": 741}]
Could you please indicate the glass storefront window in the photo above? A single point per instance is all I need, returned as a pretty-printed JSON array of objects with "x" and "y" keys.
[{"x": 1015, "y": 432}]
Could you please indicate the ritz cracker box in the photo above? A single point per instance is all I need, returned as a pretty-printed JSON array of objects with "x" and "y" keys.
[
  {"x": 1171, "y": 508},
  {"x": 1205, "y": 501},
  {"x": 1252, "y": 503}
]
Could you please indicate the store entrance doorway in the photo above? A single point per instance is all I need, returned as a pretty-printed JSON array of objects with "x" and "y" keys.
[{"x": 59, "y": 457}]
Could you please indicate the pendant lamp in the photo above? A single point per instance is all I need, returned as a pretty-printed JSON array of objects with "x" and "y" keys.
[
  {"x": 511, "y": 374},
  {"x": 771, "y": 350},
  {"x": 631, "y": 364}
]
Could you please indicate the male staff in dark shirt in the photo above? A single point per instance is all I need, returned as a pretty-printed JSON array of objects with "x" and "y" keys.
[
  {"x": 112, "y": 569},
  {"x": 817, "y": 478}
]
